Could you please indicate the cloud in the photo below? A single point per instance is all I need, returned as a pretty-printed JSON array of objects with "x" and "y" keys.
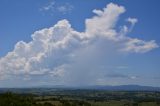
[
  {"x": 52, "y": 7},
  {"x": 65, "y": 55},
  {"x": 133, "y": 21},
  {"x": 120, "y": 75},
  {"x": 66, "y": 8},
  {"x": 49, "y": 6},
  {"x": 139, "y": 46},
  {"x": 104, "y": 22}
]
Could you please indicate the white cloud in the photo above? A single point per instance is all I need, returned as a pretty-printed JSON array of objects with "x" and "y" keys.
[
  {"x": 125, "y": 30},
  {"x": 49, "y": 6},
  {"x": 132, "y": 20},
  {"x": 52, "y": 7},
  {"x": 104, "y": 22},
  {"x": 121, "y": 76},
  {"x": 133, "y": 77},
  {"x": 61, "y": 51},
  {"x": 66, "y": 8},
  {"x": 139, "y": 46}
]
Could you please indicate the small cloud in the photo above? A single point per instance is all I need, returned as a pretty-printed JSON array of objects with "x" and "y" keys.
[
  {"x": 121, "y": 75},
  {"x": 139, "y": 46},
  {"x": 133, "y": 77},
  {"x": 49, "y": 6},
  {"x": 117, "y": 75},
  {"x": 65, "y": 8},
  {"x": 125, "y": 29},
  {"x": 54, "y": 7},
  {"x": 132, "y": 20}
]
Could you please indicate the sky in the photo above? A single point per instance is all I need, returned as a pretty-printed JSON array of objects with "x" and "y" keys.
[{"x": 79, "y": 42}]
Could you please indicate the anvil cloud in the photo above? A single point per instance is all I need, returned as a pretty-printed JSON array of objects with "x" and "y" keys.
[{"x": 62, "y": 53}]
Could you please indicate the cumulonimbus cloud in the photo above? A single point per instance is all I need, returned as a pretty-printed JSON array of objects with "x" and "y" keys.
[{"x": 53, "y": 50}]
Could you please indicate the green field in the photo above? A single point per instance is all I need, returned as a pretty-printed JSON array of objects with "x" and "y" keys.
[{"x": 75, "y": 97}]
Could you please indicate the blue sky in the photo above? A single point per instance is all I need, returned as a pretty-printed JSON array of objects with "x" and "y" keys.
[{"x": 99, "y": 60}]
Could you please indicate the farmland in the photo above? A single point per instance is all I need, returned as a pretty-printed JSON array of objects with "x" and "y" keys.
[{"x": 78, "y": 97}]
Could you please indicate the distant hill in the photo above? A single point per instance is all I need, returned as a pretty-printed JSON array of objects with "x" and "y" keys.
[
  {"x": 94, "y": 87},
  {"x": 108, "y": 87},
  {"x": 124, "y": 88}
]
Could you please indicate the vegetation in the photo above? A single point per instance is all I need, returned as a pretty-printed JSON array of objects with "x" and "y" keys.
[{"x": 81, "y": 98}]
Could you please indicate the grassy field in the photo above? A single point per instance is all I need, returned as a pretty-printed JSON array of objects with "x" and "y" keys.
[{"x": 66, "y": 97}]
